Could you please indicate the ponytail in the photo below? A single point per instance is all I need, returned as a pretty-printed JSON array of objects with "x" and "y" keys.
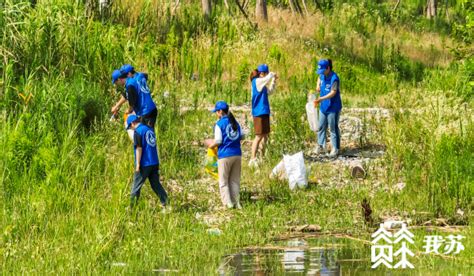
[
  {"x": 232, "y": 120},
  {"x": 330, "y": 63},
  {"x": 253, "y": 75}
]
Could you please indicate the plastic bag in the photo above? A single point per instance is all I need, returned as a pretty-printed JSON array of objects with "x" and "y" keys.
[
  {"x": 295, "y": 170},
  {"x": 279, "y": 171},
  {"x": 211, "y": 163},
  {"x": 312, "y": 113}
]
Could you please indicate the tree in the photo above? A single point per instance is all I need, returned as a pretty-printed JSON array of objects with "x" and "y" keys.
[
  {"x": 261, "y": 10},
  {"x": 431, "y": 6},
  {"x": 206, "y": 8}
]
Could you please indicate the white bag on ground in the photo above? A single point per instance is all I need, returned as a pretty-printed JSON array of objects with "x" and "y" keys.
[
  {"x": 312, "y": 113},
  {"x": 279, "y": 171},
  {"x": 295, "y": 170}
]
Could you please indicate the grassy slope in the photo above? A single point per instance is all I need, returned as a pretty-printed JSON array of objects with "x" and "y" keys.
[{"x": 65, "y": 193}]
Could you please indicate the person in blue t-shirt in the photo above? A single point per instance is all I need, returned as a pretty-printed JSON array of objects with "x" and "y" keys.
[
  {"x": 330, "y": 106},
  {"x": 263, "y": 84},
  {"x": 146, "y": 160},
  {"x": 137, "y": 93},
  {"x": 227, "y": 137}
]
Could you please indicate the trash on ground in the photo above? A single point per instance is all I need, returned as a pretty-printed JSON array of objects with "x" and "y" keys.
[{"x": 214, "y": 231}]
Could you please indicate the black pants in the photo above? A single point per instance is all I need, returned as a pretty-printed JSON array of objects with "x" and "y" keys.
[
  {"x": 150, "y": 118},
  {"x": 150, "y": 172}
]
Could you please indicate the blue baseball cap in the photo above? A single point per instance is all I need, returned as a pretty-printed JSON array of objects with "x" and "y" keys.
[
  {"x": 322, "y": 66},
  {"x": 262, "y": 68},
  {"x": 221, "y": 105},
  {"x": 126, "y": 68},
  {"x": 115, "y": 76},
  {"x": 130, "y": 119}
]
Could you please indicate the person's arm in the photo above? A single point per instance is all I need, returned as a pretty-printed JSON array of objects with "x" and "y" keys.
[
  {"x": 119, "y": 104},
  {"x": 272, "y": 85},
  {"x": 132, "y": 97},
  {"x": 139, "y": 157},
  {"x": 138, "y": 152},
  {"x": 217, "y": 138},
  {"x": 318, "y": 85},
  {"x": 261, "y": 82},
  {"x": 331, "y": 94}
]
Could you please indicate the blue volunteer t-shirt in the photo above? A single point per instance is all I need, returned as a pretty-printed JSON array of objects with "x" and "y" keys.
[
  {"x": 334, "y": 104},
  {"x": 230, "y": 145},
  {"x": 144, "y": 102},
  {"x": 260, "y": 104},
  {"x": 145, "y": 138}
]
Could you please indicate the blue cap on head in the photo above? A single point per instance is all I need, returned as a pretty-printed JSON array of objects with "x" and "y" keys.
[
  {"x": 130, "y": 119},
  {"x": 221, "y": 105},
  {"x": 262, "y": 68},
  {"x": 115, "y": 76},
  {"x": 126, "y": 68},
  {"x": 322, "y": 66}
]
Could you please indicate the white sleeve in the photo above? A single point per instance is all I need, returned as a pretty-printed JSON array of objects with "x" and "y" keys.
[
  {"x": 217, "y": 134},
  {"x": 261, "y": 82},
  {"x": 271, "y": 86}
]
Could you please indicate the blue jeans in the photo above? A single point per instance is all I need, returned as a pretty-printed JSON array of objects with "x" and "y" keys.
[
  {"x": 150, "y": 172},
  {"x": 332, "y": 119}
]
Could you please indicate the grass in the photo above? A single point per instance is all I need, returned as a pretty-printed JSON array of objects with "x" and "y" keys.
[{"x": 66, "y": 171}]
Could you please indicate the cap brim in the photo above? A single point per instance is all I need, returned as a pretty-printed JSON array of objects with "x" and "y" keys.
[
  {"x": 321, "y": 71},
  {"x": 214, "y": 110}
]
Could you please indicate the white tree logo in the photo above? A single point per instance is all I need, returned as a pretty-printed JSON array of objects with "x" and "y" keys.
[
  {"x": 231, "y": 133},
  {"x": 382, "y": 253},
  {"x": 143, "y": 86},
  {"x": 150, "y": 138}
]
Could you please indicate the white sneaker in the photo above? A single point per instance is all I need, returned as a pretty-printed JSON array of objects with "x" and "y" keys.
[
  {"x": 166, "y": 210},
  {"x": 319, "y": 149},
  {"x": 230, "y": 206},
  {"x": 238, "y": 206},
  {"x": 333, "y": 153}
]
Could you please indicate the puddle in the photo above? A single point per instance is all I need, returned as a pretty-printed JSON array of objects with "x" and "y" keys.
[
  {"x": 296, "y": 257},
  {"x": 327, "y": 256}
]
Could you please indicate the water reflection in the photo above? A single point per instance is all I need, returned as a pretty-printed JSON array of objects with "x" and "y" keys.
[{"x": 295, "y": 257}]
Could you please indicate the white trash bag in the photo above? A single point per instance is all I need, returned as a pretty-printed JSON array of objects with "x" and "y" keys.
[
  {"x": 312, "y": 113},
  {"x": 279, "y": 171},
  {"x": 296, "y": 170}
]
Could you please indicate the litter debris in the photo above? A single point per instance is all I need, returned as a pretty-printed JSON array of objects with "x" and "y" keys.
[
  {"x": 393, "y": 224},
  {"x": 307, "y": 228},
  {"x": 292, "y": 167},
  {"x": 400, "y": 186},
  {"x": 214, "y": 231}
]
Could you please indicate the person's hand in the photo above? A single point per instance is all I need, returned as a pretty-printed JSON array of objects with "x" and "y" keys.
[
  {"x": 115, "y": 109},
  {"x": 276, "y": 76},
  {"x": 208, "y": 142},
  {"x": 317, "y": 101},
  {"x": 137, "y": 169}
]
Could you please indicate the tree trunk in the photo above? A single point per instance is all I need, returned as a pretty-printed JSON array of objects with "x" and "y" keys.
[
  {"x": 431, "y": 7},
  {"x": 295, "y": 7},
  {"x": 261, "y": 10},
  {"x": 305, "y": 8},
  {"x": 206, "y": 8}
]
